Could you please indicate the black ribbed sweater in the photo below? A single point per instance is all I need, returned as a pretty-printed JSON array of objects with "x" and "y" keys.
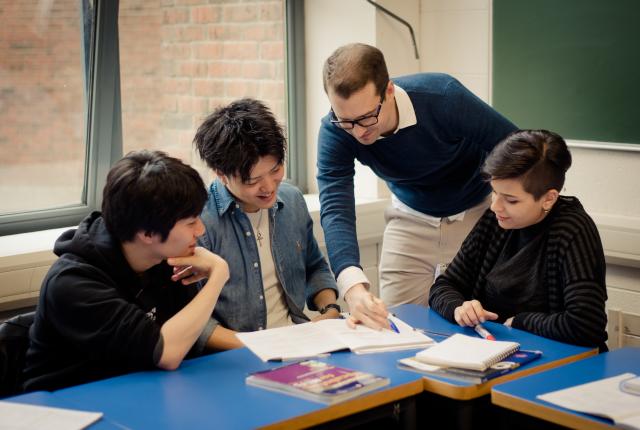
[{"x": 573, "y": 272}]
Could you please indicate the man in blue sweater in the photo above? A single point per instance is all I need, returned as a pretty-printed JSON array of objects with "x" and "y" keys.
[{"x": 426, "y": 136}]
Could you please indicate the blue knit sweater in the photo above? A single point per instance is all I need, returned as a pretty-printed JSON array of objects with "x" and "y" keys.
[{"x": 432, "y": 166}]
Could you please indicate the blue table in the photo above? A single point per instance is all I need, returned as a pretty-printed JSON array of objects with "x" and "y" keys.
[
  {"x": 553, "y": 353},
  {"x": 520, "y": 395},
  {"x": 210, "y": 391}
]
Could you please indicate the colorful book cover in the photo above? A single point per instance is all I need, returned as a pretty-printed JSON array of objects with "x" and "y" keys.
[
  {"x": 317, "y": 381},
  {"x": 514, "y": 361}
]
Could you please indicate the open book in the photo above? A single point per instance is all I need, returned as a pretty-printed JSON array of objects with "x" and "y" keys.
[
  {"x": 603, "y": 398},
  {"x": 306, "y": 340},
  {"x": 467, "y": 352},
  {"x": 317, "y": 381}
]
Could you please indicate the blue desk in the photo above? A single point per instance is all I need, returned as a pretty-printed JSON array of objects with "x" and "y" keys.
[
  {"x": 45, "y": 398},
  {"x": 521, "y": 395},
  {"x": 554, "y": 353},
  {"x": 210, "y": 392}
]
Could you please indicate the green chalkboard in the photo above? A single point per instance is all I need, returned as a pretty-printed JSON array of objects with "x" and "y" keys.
[{"x": 571, "y": 66}]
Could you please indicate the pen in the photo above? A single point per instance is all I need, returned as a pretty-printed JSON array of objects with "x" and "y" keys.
[
  {"x": 483, "y": 332},
  {"x": 183, "y": 271},
  {"x": 393, "y": 326},
  {"x": 299, "y": 358}
]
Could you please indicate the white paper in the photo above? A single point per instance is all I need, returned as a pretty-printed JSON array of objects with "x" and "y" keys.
[
  {"x": 292, "y": 342},
  {"x": 311, "y": 339},
  {"x": 602, "y": 398},
  {"x": 20, "y": 416},
  {"x": 362, "y": 340}
]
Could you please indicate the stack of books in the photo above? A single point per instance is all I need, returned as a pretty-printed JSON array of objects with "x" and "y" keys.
[{"x": 469, "y": 359}]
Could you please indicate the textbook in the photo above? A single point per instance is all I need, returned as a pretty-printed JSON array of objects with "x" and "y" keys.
[
  {"x": 317, "y": 381},
  {"x": 515, "y": 360},
  {"x": 604, "y": 398},
  {"x": 467, "y": 352},
  {"x": 303, "y": 341}
]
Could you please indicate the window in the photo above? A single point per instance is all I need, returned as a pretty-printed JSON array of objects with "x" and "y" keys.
[
  {"x": 181, "y": 60},
  {"x": 43, "y": 106},
  {"x": 81, "y": 83}
]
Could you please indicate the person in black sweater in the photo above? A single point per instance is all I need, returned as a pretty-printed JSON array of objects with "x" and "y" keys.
[
  {"x": 534, "y": 260},
  {"x": 122, "y": 296}
]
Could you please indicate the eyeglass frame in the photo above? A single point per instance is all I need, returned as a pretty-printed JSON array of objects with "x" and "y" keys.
[{"x": 353, "y": 122}]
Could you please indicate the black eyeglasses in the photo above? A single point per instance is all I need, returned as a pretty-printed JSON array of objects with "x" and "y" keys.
[{"x": 363, "y": 121}]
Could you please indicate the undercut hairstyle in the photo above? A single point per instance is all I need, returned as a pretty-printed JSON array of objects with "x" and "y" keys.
[
  {"x": 234, "y": 137},
  {"x": 150, "y": 191},
  {"x": 351, "y": 67},
  {"x": 539, "y": 158}
]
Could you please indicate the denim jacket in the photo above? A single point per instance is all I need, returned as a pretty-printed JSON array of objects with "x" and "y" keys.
[{"x": 300, "y": 266}]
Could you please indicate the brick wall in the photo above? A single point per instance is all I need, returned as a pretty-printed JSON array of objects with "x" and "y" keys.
[
  {"x": 41, "y": 82},
  {"x": 180, "y": 59}
]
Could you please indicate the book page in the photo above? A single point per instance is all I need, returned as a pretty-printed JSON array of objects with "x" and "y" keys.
[
  {"x": 363, "y": 339},
  {"x": 291, "y": 342},
  {"x": 19, "y": 416},
  {"x": 603, "y": 398}
]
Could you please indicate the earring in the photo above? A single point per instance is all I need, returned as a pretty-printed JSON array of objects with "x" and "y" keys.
[{"x": 546, "y": 210}]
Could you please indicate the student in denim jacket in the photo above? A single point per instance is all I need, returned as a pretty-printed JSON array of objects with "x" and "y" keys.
[{"x": 260, "y": 226}]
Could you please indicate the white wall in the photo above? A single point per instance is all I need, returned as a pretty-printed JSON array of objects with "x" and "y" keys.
[
  {"x": 328, "y": 25},
  {"x": 357, "y": 21},
  {"x": 456, "y": 39}
]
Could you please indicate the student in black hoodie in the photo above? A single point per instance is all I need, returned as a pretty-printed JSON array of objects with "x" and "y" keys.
[{"x": 117, "y": 300}]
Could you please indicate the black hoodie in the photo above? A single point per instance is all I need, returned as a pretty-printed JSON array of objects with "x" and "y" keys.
[{"x": 96, "y": 317}]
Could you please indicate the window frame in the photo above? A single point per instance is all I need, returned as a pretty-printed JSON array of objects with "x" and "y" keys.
[{"x": 296, "y": 94}]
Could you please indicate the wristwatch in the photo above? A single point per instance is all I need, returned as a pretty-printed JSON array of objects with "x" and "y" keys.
[{"x": 331, "y": 306}]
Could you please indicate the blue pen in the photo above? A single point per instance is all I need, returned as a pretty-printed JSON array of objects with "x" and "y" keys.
[{"x": 393, "y": 326}]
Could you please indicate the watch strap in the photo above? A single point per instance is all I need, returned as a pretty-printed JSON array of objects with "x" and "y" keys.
[{"x": 331, "y": 306}]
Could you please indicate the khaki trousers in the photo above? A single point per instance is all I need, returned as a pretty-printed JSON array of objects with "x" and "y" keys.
[{"x": 412, "y": 249}]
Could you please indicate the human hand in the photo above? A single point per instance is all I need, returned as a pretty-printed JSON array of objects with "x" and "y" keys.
[
  {"x": 366, "y": 309},
  {"x": 508, "y": 322},
  {"x": 471, "y": 313},
  {"x": 202, "y": 264}
]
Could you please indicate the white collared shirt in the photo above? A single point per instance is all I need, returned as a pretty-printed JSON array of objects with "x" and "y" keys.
[{"x": 406, "y": 112}]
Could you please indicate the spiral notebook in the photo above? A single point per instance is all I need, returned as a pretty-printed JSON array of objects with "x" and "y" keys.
[{"x": 467, "y": 352}]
